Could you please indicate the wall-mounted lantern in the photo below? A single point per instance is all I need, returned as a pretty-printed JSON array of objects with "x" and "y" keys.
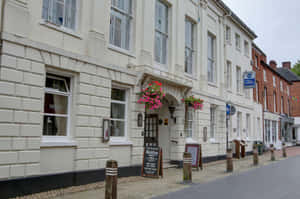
[{"x": 140, "y": 120}]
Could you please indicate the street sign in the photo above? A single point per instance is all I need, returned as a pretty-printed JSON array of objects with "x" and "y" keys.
[
  {"x": 230, "y": 109},
  {"x": 227, "y": 109},
  {"x": 249, "y": 79}
]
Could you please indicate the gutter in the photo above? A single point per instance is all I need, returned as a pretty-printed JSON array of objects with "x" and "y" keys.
[{"x": 3, "y": 3}]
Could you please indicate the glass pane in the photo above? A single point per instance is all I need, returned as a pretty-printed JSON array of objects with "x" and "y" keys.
[
  {"x": 164, "y": 50},
  {"x": 58, "y": 83},
  {"x": 117, "y": 128},
  {"x": 45, "y": 12},
  {"x": 56, "y": 104},
  {"x": 59, "y": 10},
  {"x": 118, "y": 94},
  {"x": 118, "y": 31},
  {"x": 157, "y": 47},
  {"x": 117, "y": 111},
  {"x": 55, "y": 126}
]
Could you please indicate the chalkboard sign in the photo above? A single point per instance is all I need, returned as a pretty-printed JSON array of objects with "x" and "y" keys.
[
  {"x": 195, "y": 151},
  {"x": 152, "y": 162}
]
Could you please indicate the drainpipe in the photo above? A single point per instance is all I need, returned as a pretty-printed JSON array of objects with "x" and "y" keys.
[{"x": 3, "y": 3}]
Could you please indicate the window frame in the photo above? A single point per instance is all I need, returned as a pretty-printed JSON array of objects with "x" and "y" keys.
[
  {"x": 62, "y": 26},
  {"x": 246, "y": 48},
  {"x": 162, "y": 34},
  {"x": 239, "y": 124},
  {"x": 237, "y": 41},
  {"x": 127, "y": 90},
  {"x": 248, "y": 125},
  {"x": 228, "y": 75},
  {"x": 257, "y": 91},
  {"x": 265, "y": 98},
  {"x": 239, "y": 79},
  {"x": 190, "y": 123},
  {"x": 129, "y": 17},
  {"x": 274, "y": 81},
  {"x": 274, "y": 102},
  {"x": 213, "y": 117},
  {"x": 212, "y": 59},
  {"x": 265, "y": 75},
  {"x": 68, "y": 115},
  {"x": 228, "y": 34},
  {"x": 191, "y": 48}
]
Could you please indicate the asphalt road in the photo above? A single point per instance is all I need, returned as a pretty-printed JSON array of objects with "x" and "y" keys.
[{"x": 280, "y": 180}]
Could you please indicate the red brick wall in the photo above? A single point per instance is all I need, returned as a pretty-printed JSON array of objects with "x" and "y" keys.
[{"x": 295, "y": 105}]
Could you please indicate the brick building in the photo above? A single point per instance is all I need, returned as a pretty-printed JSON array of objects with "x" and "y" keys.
[
  {"x": 294, "y": 98},
  {"x": 273, "y": 92}
]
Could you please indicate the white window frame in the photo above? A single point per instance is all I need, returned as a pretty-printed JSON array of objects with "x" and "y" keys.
[
  {"x": 228, "y": 34},
  {"x": 246, "y": 48},
  {"x": 256, "y": 61},
  {"x": 188, "y": 48},
  {"x": 281, "y": 86},
  {"x": 68, "y": 115},
  {"x": 190, "y": 122},
  {"x": 125, "y": 120},
  {"x": 213, "y": 117},
  {"x": 211, "y": 78},
  {"x": 266, "y": 98},
  {"x": 274, "y": 81},
  {"x": 162, "y": 34},
  {"x": 238, "y": 79},
  {"x": 228, "y": 76},
  {"x": 265, "y": 75},
  {"x": 63, "y": 26},
  {"x": 248, "y": 125},
  {"x": 237, "y": 41},
  {"x": 126, "y": 34},
  {"x": 274, "y": 103},
  {"x": 288, "y": 90}
]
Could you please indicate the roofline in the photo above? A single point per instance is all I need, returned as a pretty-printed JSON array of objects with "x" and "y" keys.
[
  {"x": 269, "y": 67},
  {"x": 257, "y": 48},
  {"x": 235, "y": 18}
]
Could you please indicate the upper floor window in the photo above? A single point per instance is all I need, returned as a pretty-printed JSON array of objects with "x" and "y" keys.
[
  {"x": 265, "y": 99},
  {"x": 228, "y": 34},
  {"x": 161, "y": 32},
  {"x": 238, "y": 79},
  {"x": 118, "y": 112},
  {"x": 246, "y": 46},
  {"x": 56, "y": 105},
  {"x": 189, "y": 46},
  {"x": 237, "y": 41},
  {"x": 281, "y": 86},
  {"x": 265, "y": 75},
  {"x": 211, "y": 69},
  {"x": 60, "y": 12},
  {"x": 274, "y": 81},
  {"x": 248, "y": 125},
  {"x": 288, "y": 91},
  {"x": 257, "y": 91},
  {"x": 228, "y": 76},
  {"x": 274, "y": 103},
  {"x": 120, "y": 23},
  {"x": 239, "y": 123},
  {"x": 256, "y": 61},
  {"x": 281, "y": 105}
]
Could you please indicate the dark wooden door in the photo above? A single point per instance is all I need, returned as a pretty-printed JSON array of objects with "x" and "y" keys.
[{"x": 151, "y": 130}]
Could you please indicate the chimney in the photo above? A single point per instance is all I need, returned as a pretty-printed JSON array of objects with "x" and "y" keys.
[
  {"x": 286, "y": 64},
  {"x": 273, "y": 64}
]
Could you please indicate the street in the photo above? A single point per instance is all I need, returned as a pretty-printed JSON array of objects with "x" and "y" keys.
[{"x": 280, "y": 180}]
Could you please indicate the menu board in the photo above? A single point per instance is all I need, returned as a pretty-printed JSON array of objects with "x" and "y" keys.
[
  {"x": 152, "y": 162},
  {"x": 195, "y": 151}
]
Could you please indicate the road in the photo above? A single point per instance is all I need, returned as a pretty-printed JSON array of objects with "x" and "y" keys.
[{"x": 280, "y": 180}]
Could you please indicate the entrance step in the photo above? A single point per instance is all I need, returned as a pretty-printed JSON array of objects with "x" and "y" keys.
[{"x": 167, "y": 165}]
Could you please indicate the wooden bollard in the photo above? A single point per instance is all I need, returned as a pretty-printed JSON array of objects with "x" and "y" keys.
[
  {"x": 187, "y": 168},
  {"x": 255, "y": 155},
  {"x": 111, "y": 179},
  {"x": 229, "y": 161},
  {"x": 284, "y": 150},
  {"x": 272, "y": 150}
]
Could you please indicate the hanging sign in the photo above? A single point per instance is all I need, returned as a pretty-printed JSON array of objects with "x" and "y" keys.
[
  {"x": 249, "y": 79},
  {"x": 152, "y": 162}
]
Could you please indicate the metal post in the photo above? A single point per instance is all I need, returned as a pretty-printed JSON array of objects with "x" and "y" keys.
[
  {"x": 284, "y": 150},
  {"x": 111, "y": 179},
  {"x": 229, "y": 160},
  {"x": 255, "y": 155},
  {"x": 272, "y": 152},
  {"x": 187, "y": 168},
  {"x": 227, "y": 118}
]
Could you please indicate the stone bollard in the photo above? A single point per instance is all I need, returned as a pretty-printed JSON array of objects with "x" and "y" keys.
[
  {"x": 284, "y": 150},
  {"x": 187, "y": 168},
  {"x": 111, "y": 179},
  {"x": 255, "y": 155},
  {"x": 229, "y": 161},
  {"x": 272, "y": 150}
]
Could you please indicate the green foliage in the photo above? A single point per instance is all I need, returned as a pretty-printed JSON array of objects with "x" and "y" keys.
[{"x": 296, "y": 68}]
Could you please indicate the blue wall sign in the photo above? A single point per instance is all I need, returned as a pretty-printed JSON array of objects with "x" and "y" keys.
[{"x": 249, "y": 79}]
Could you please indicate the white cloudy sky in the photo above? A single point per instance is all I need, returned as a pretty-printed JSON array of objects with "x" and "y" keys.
[{"x": 277, "y": 24}]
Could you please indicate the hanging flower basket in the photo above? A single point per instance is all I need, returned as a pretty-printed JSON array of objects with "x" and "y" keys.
[
  {"x": 191, "y": 101},
  {"x": 152, "y": 96}
]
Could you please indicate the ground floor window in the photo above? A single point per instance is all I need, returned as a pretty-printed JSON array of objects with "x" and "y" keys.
[
  {"x": 56, "y": 105},
  {"x": 189, "y": 122},
  {"x": 118, "y": 112},
  {"x": 212, "y": 121}
]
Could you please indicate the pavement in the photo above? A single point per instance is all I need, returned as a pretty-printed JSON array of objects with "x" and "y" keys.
[
  {"x": 211, "y": 182},
  {"x": 280, "y": 180}
]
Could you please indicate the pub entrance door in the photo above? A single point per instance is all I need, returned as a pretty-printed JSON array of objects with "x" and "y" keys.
[{"x": 151, "y": 130}]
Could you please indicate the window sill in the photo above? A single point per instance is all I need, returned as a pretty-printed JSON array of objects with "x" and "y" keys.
[
  {"x": 113, "y": 142},
  {"x": 212, "y": 84},
  {"x": 213, "y": 141},
  {"x": 121, "y": 50},
  {"x": 56, "y": 142},
  {"x": 61, "y": 29},
  {"x": 190, "y": 140}
]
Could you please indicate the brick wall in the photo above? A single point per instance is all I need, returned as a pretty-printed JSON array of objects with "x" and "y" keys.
[{"x": 295, "y": 104}]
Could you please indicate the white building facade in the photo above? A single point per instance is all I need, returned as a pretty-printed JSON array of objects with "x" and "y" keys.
[{"x": 68, "y": 64}]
